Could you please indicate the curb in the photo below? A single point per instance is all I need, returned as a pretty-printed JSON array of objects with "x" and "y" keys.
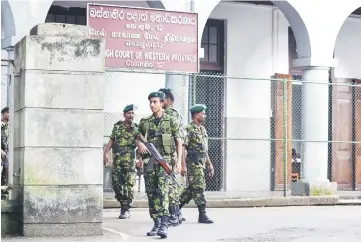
[
  {"x": 350, "y": 197},
  {"x": 246, "y": 202},
  {"x": 349, "y": 202}
]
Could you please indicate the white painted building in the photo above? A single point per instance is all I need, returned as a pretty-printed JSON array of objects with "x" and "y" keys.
[{"x": 254, "y": 40}]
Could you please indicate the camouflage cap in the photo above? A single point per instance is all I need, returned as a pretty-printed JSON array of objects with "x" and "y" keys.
[
  {"x": 129, "y": 108},
  {"x": 197, "y": 108},
  {"x": 161, "y": 95}
]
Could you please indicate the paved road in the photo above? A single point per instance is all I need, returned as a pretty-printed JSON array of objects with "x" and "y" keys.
[
  {"x": 295, "y": 224},
  {"x": 287, "y": 224}
]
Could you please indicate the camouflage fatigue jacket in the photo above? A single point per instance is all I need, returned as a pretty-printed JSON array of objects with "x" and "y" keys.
[
  {"x": 197, "y": 140},
  {"x": 4, "y": 136},
  {"x": 124, "y": 141},
  {"x": 175, "y": 114},
  {"x": 152, "y": 132}
]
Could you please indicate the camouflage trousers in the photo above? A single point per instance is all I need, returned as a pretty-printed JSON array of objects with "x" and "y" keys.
[
  {"x": 123, "y": 181},
  {"x": 174, "y": 190},
  {"x": 157, "y": 189},
  {"x": 196, "y": 185}
]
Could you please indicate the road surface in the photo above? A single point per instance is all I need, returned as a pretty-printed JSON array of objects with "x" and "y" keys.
[{"x": 283, "y": 224}]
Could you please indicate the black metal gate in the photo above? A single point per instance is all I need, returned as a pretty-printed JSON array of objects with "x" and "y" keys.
[{"x": 209, "y": 89}]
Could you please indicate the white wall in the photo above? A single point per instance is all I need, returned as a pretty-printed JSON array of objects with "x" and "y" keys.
[
  {"x": 257, "y": 47},
  {"x": 348, "y": 50},
  {"x": 4, "y": 54},
  {"x": 179, "y": 5}
]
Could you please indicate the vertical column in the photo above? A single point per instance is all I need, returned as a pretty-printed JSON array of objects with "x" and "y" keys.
[
  {"x": 179, "y": 86},
  {"x": 10, "y": 101},
  {"x": 59, "y": 88},
  {"x": 315, "y": 124},
  {"x": 315, "y": 127},
  {"x": 180, "y": 83}
]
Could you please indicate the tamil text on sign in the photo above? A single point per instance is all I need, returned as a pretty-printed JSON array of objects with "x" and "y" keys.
[{"x": 146, "y": 38}]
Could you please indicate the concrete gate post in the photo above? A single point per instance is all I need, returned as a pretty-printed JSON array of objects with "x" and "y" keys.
[{"x": 58, "y": 143}]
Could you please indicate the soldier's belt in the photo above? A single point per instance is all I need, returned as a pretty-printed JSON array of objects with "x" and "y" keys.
[
  {"x": 196, "y": 157},
  {"x": 121, "y": 149},
  {"x": 199, "y": 154},
  {"x": 130, "y": 169},
  {"x": 125, "y": 168},
  {"x": 153, "y": 133}
]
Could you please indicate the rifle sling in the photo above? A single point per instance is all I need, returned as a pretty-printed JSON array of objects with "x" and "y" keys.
[{"x": 151, "y": 164}]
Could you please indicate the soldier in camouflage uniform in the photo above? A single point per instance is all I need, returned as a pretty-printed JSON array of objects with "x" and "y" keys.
[
  {"x": 122, "y": 141},
  {"x": 161, "y": 130},
  {"x": 196, "y": 144},
  {"x": 175, "y": 217},
  {"x": 4, "y": 143}
]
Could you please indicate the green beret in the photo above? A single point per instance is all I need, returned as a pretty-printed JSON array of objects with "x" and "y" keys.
[
  {"x": 4, "y": 110},
  {"x": 198, "y": 108},
  {"x": 128, "y": 108},
  {"x": 161, "y": 95}
]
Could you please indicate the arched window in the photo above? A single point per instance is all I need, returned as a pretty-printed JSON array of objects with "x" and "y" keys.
[
  {"x": 72, "y": 15},
  {"x": 213, "y": 46}
]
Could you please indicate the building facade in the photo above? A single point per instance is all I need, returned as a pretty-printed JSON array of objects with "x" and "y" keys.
[{"x": 243, "y": 44}]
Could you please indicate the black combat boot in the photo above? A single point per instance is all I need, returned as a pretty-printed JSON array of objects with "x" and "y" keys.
[
  {"x": 155, "y": 228},
  {"x": 121, "y": 211},
  {"x": 163, "y": 230},
  {"x": 179, "y": 214},
  {"x": 126, "y": 212},
  {"x": 173, "y": 217},
  {"x": 203, "y": 218},
  {"x": 181, "y": 219}
]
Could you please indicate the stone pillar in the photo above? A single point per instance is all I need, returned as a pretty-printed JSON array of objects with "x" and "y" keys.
[
  {"x": 10, "y": 99},
  {"x": 59, "y": 89},
  {"x": 315, "y": 127},
  {"x": 179, "y": 85}
]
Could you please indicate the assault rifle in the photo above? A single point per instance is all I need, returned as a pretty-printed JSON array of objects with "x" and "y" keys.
[{"x": 156, "y": 157}]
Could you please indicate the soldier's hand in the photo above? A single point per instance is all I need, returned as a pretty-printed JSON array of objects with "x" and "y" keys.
[
  {"x": 106, "y": 159},
  {"x": 139, "y": 164},
  {"x": 184, "y": 171},
  {"x": 177, "y": 170},
  {"x": 211, "y": 171},
  {"x": 143, "y": 149}
]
